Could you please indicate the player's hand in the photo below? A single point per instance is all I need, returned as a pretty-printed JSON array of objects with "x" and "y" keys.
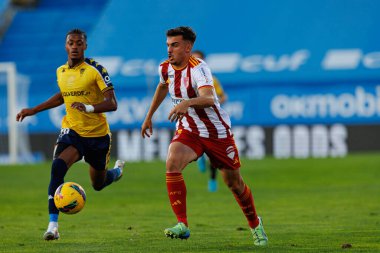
[
  {"x": 79, "y": 106},
  {"x": 24, "y": 113},
  {"x": 145, "y": 126},
  {"x": 178, "y": 111}
]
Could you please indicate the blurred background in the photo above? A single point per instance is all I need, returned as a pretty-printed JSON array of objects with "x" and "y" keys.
[{"x": 302, "y": 77}]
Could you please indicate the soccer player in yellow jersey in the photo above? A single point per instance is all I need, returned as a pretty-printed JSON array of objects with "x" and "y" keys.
[
  {"x": 87, "y": 92},
  {"x": 222, "y": 96}
]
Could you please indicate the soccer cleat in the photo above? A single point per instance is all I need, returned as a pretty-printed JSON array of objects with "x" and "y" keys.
[
  {"x": 120, "y": 165},
  {"x": 212, "y": 185},
  {"x": 178, "y": 231},
  {"x": 259, "y": 236},
  {"x": 51, "y": 234},
  {"x": 202, "y": 163}
]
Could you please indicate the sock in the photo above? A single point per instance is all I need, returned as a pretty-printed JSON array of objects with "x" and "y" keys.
[
  {"x": 52, "y": 225},
  {"x": 58, "y": 172},
  {"x": 245, "y": 201},
  {"x": 177, "y": 195},
  {"x": 53, "y": 217},
  {"x": 213, "y": 171}
]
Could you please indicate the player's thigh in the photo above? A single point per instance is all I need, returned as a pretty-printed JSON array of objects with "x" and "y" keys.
[
  {"x": 97, "y": 151},
  {"x": 67, "y": 153},
  {"x": 97, "y": 154},
  {"x": 179, "y": 155},
  {"x": 223, "y": 153}
]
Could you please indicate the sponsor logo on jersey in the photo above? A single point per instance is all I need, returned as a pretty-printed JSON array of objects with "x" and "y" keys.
[
  {"x": 176, "y": 101},
  {"x": 76, "y": 93}
]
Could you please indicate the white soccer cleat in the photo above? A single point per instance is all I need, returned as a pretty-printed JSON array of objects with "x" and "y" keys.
[
  {"x": 51, "y": 234},
  {"x": 259, "y": 236},
  {"x": 119, "y": 164}
]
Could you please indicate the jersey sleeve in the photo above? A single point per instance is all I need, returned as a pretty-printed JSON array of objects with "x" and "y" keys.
[
  {"x": 57, "y": 76},
  {"x": 202, "y": 76},
  {"x": 160, "y": 75},
  {"x": 103, "y": 79},
  {"x": 163, "y": 73}
]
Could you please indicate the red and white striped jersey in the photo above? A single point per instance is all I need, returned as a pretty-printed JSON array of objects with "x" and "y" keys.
[{"x": 210, "y": 122}]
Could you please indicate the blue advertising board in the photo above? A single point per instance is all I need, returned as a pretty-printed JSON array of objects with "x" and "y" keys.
[{"x": 268, "y": 105}]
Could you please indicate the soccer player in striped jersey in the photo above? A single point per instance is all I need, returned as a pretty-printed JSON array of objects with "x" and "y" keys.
[
  {"x": 87, "y": 92},
  {"x": 202, "y": 127},
  {"x": 222, "y": 97}
]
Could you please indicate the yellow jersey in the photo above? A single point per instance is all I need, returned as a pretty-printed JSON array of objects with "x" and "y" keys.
[
  {"x": 218, "y": 87},
  {"x": 86, "y": 84}
]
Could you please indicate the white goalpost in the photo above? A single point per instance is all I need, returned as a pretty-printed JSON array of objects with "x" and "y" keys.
[
  {"x": 9, "y": 68},
  {"x": 14, "y": 137}
]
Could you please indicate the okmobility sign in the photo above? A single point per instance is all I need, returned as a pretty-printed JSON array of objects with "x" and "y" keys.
[{"x": 357, "y": 106}]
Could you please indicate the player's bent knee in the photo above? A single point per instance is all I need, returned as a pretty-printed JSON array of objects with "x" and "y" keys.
[
  {"x": 98, "y": 187},
  {"x": 173, "y": 165}
]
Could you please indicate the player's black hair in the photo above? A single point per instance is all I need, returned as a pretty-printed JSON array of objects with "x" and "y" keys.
[
  {"x": 77, "y": 31},
  {"x": 200, "y": 53},
  {"x": 186, "y": 32}
]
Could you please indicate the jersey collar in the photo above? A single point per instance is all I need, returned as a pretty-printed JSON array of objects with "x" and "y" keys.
[{"x": 76, "y": 66}]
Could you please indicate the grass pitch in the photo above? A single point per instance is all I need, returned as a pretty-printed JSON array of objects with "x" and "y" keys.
[{"x": 311, "y": 205}]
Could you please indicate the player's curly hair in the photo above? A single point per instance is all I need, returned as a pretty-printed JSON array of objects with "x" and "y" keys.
[
  {"x": 77, "y": 31},
  {"x": 186, "y": 32}
]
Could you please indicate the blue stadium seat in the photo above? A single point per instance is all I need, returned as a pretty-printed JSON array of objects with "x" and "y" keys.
[{"x": 46, "y": 25}]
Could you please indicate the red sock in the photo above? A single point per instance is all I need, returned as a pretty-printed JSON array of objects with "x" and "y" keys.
[
  {"x": 245, "y": 201},
  {"x": 177, "y": 195}
]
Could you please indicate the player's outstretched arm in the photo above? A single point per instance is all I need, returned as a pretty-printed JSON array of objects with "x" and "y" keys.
[
  {"x": 158, "y": 97},
  {"x": 52, "y": 102},
  {"x": 109, "y": 104}
]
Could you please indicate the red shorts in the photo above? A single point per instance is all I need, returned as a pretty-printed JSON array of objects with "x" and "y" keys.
[{"x": 223, "y": 153}]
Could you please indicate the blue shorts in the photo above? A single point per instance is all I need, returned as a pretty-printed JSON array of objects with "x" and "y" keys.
[{"x": 95, "y": 150}]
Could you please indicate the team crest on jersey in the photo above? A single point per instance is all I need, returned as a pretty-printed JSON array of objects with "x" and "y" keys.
[
  {"x": 186, "y": 81},
  {"x": 230, "y": 152},
  {"x": 82, "y": 71},
  {"x": 63, "y": 70}
]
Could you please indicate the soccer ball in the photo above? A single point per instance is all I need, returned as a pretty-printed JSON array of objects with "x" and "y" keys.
[{"x": 69, "y": 198}]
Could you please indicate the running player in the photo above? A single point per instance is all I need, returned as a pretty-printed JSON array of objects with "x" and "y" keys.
[
  {"x": 202, "y": 127},
  {"x": 87, "y": 92},
  {"x": 222, "y": 97}
]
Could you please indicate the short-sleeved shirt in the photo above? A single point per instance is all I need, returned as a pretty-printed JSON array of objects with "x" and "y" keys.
[
  {"x": 210, "y": 122},
  {"x": 86, "y": 84}
]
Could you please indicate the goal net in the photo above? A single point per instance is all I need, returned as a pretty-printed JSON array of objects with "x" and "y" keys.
[{"x": 14, "y": 138}]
